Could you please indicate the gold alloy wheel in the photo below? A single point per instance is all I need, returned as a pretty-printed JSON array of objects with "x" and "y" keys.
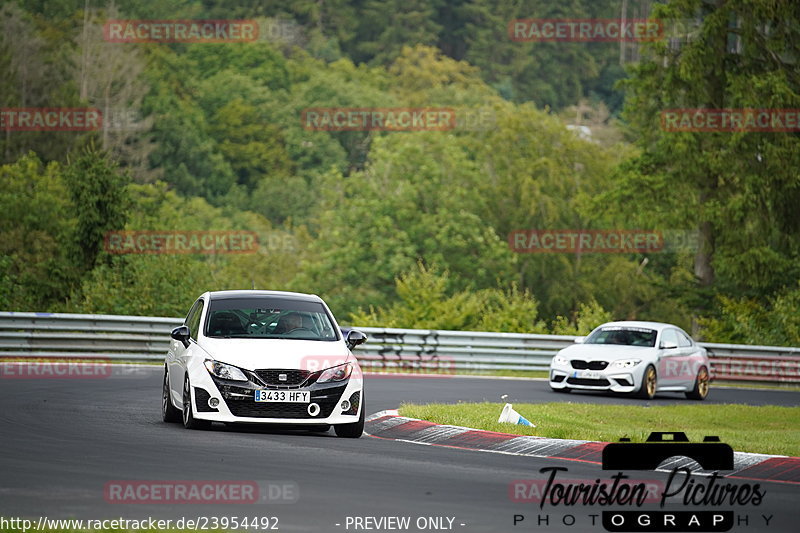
[
  {"x": 702, "y": 383},
  {"x": 650, "y": 382}
]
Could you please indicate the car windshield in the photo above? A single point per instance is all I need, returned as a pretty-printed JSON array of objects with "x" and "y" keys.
[
  {"x": 626, "y": 336},
  {"x": 269, "y": 318}
]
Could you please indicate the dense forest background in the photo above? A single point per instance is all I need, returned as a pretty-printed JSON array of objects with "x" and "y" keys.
[{"x": 408, "y": 229}]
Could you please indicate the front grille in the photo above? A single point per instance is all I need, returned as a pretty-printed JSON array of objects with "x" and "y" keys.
[
  {"x": 326, "y": 398},
  {"x": 271, "y": 376},
  {"x": 201, "y": 397},
  {"x": 577, "y": 364},
  {"x": 588, "y": 382}
]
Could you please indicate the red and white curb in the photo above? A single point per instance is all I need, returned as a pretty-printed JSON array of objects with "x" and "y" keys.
[{"x": 390, "y": 425}]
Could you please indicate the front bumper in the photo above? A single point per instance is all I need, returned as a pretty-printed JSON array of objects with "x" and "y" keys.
[
  {"x": 237, "y": 402},
  {"x": 609, "y": 379}
]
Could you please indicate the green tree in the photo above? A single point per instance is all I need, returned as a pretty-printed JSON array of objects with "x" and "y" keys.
[
  {"x": 166, "y": 284},
  {"x": 35, "y": 66},
  {"x": 380, "y": 37},
  {"x": 97, "y": 190},
  {"x": 425, "y": 302},
  {"x": 536, "y": 174},
  {"x": 586, "y": 318},
  {"x": 750, "y": 321},
  {"x": 736, "y": 188},
  {"x": 415, "y": 200},
  {"x": 37, "y": 228}
]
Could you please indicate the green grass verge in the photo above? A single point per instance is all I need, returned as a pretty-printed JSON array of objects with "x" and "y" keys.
[{"x": 757, "y": 429}]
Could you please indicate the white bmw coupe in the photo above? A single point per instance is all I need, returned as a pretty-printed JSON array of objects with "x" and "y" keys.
[
  {"x": 642, "y": 358},
  {"x": 263, "y": 357}
]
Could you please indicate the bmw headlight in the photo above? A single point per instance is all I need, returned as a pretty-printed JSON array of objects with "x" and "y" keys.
[
  {"x": 337, "y": 373},
  {"x": 626, "y": 363},
  {"x": 558, "y": 360},
  {"x": 223, "y": 371}
]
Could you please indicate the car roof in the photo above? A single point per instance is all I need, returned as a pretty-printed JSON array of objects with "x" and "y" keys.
[
  {"x": 223, "y": 295},
  {"x": 658, "y": 326}
]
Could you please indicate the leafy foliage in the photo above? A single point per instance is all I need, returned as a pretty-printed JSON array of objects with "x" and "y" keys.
[
  {"x": 97, "y": 191},
  {"x": 408, "y": 228},
  {"x": 425, "y": 303}
]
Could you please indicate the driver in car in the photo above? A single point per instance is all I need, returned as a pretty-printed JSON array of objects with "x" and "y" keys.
[{"x": 289, "y": 323}]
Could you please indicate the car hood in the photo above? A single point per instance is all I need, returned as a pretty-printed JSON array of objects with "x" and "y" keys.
[
  {"x": 253, "y": 354},
  {"x": 606, "y": 352}
]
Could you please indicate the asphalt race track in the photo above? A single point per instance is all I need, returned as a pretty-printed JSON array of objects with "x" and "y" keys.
[{"x": 65, "y": 440}]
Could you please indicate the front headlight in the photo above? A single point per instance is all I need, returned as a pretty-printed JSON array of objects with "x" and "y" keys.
[
  {"x": 558, "y": 360},
  {"x": 223, "y": 371},
  {"x": 626, "y": 363},
  {"x": 337, "y": 373}
]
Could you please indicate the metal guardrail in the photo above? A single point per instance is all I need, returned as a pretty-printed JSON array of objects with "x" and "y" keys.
[{"x": 51, "y": 335}]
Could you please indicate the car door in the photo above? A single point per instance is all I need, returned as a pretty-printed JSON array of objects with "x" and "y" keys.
[
  {"x": 670, "y": 359},
  {"x": 692, "y": 356},
  {"x": 176, "y": 357}
]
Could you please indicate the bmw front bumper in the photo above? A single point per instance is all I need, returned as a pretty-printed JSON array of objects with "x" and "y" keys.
[{"x": 610, "y": 378}]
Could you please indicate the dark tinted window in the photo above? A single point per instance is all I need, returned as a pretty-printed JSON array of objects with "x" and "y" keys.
[
  {"x": 625, "y": 336},
  {"x": 193, "y": 318},
  {"x": 269, "y": 318}
]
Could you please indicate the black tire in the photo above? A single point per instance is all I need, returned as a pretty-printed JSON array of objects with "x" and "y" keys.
[
  {"x": 169, "y": 413},
  {"x": 354, "y": 430},
  {"x": 189, "y": 421},
  {"x": 701, "y": 385},
  {"x": 647, "y": 389}
]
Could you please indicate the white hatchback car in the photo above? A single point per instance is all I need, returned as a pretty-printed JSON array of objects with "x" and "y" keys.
[
  {"x": 264, "y": 357},
  {"x": 633, "y": 357}
]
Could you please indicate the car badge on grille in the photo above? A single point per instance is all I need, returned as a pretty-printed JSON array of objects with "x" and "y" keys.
[{"x": 282, "y": 377}]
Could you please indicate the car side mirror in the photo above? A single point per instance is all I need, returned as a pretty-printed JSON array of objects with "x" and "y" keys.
[
  {"x": 181, "y": 333},
  {"x": 354, "y": 338},
  {"x": 579, "y": 340},
  {"x": 668, "y": 346}
]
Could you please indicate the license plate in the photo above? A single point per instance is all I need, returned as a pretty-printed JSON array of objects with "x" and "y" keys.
[
  {"x": 283, "y": 396},
  {"x": 588, "y": 374}
]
